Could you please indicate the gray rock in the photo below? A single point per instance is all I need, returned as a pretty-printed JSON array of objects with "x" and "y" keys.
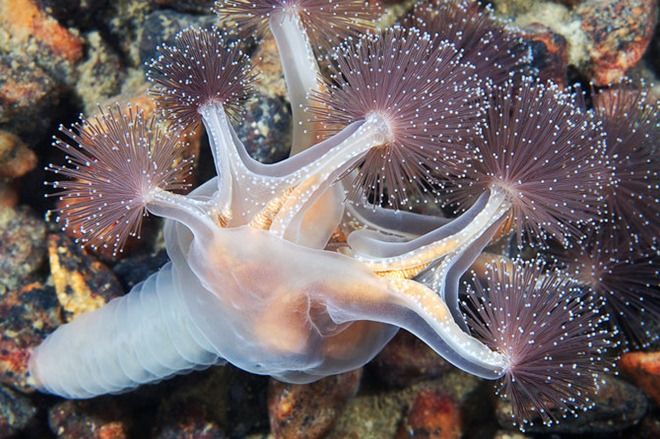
[
  {"x": 619, "y": 405},
  {"x": 16, "y": 412}
]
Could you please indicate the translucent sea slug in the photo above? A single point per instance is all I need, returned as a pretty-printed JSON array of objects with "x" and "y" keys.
[{"x": 274, "y": 270}]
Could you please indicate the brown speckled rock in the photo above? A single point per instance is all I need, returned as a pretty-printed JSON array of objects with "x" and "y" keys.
[
  {"x": 82, "y": 283},
  {"x": 27, "y": 315},
  {"x": 619, "y": 32},
  {"x": 16, "y": 412},
  {"x": 618, "y": 405},
  {"x": 187, "y": 420},
  {"x": 549, "y": 53},
  {"x": 22, "y": 246},
  {"x": 26, "y": 91},
  {"x": 16, "y": 159},
  {"x": 433, "y": 416},
  {"x": 100, "y": 418},
  {"x": 30, "y": 29},
  {"x": 8, "y": 196},
  {"x": 309, "y": 410},
  {"x": 406, "y": 360},
  {"x": 644, "y": 370},
  {"x": 100, "y": 74},
  {"x": 194, "y": 405}
]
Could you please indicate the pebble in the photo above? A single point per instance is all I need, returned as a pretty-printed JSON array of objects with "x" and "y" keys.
[
  {"x": 433, "y": 415},
  {"x": 16, "y": 159},
  {"x": 194, "y": 405},
  {"x": 549, "y": 53},
  {"x": 247, "y": 402},
  {"x": 265, "y": 129},
  {"x": 643, "y": 368},
  {"x": 187, "y": 420},
  {"x": 161, "y": 26},
  {"x": 22, "y": 246},
  {"x": 198, "y": 6},
  {"x": 26, "y": 93},
  {"x": 134, "y": 269},
  {"x": 82, "y": 283},
  {"x": 30, "y": 29},
  {"x": 100, "y": 74},
  {"x": 619, "y": 405},
  {"x": 27, "y": 315},
  {"x": 16, "y": 412},
  {"x": 99, "y": 418},
  {"x": 309, "y": 410},
  {"x": 619, "y": 31},
  {"x": 407, "y": 360},
  {"x": 8, "y": 196}
]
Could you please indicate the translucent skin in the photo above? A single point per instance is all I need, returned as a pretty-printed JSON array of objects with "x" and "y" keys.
[{"x": 252, "y": 283}]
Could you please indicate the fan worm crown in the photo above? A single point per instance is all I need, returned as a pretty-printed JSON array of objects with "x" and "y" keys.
[
  {"x": 328, "y": 22},
  {"x": 548, "y": 331},
  {"x": 632, "y": 126},
  {"x": 114, "y": 161},
  {"x": 626, "y": 281},
  {"x": 201, "y": 67},
  {"x": 546, "y": 154},
  {"x": 486, "y": 42},
  {"x": 427, "y": 97}
]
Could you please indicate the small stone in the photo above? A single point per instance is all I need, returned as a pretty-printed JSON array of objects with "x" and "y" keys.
[
  {"x": 16, "y": 412},
  {"x": 161, "y": 26},
  {"x": 16, "y": 159},
  {"x": 549, "y": 53},
  {"x": 8, "y": 196},
  {"x": 187, "y": 419},
  {"x": 134, "y": 269},
  {"x": 266, "y": 128},
  {"x": 100, "y": 74},
  {"x": 309, "y": 410},
  {"x": 619, "y": 31},
  {"x": 618, "y": 405},
  {"x": 22, "y": 247},
  {"x": 407, "y": 360},
  {"x": 433, "y": 415},
  {"x": 26, "y": 93},
  {"x": 644, "y": 370},
  {"x": 28, "y": 28},
  {"x": 100, "y": 418},
  {"x": 27, "y": 315},
  {"x": 198, "y": 6},
  {"x": 82, "y": 283},
  {"x": 247, "y": 402}
]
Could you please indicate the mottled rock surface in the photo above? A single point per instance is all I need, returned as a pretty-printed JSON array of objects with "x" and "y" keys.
[
  {"x": 309, "y": 410},
  {"x": 16, "y": 412},
  {"x": 619, "y": 31},
  {"x": 22, "y": 247},
  {"x": 27, "y": 315},
  {"x": 82, "y": 283},
  {"x": 100, "y": 418},
  {"x": 618, "y": 405},
  {"x": 407, "y": 360},
  {"x": 432, "y": 415},
  {"x": 16, "y": 159},
  {"x": 643, "y": 368}
]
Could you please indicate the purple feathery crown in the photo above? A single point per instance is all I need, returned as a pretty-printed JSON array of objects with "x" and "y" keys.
[
  {"x": 114, "y": 161},
  {"x": 425, "y": 95}
]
